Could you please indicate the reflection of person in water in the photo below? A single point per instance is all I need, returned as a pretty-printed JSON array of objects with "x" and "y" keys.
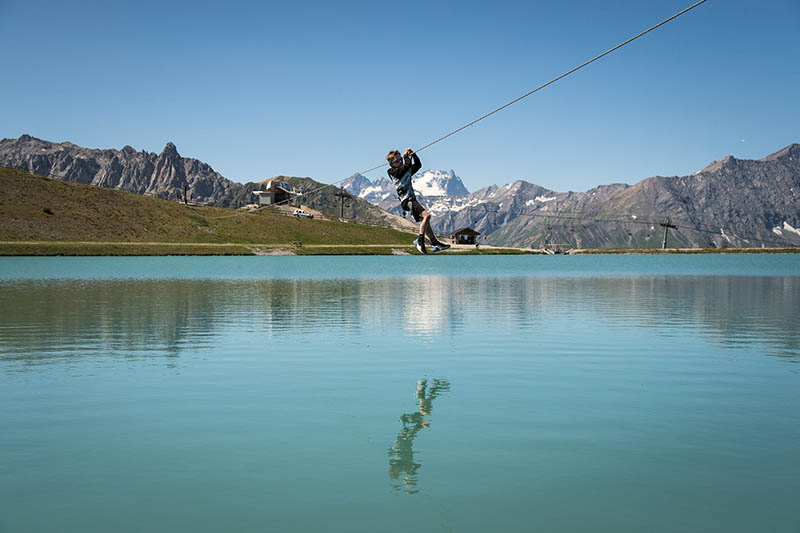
[{"x": 401, "y": 455}]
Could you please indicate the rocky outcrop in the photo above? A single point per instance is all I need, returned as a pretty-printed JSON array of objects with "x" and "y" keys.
[
  {"x": 161, "y": 175},
  {"x": 731, "y": 202}
]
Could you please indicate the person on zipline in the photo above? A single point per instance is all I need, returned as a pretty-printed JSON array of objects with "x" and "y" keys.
[{"x": 401, "y": 169}]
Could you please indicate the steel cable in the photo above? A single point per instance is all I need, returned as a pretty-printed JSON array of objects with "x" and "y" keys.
[{"x": 490, "y": 113}]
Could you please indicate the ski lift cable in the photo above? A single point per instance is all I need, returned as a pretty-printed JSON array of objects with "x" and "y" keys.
[
  {"x": 514, "y": 101},
  {"x": 582, "y": 217}
]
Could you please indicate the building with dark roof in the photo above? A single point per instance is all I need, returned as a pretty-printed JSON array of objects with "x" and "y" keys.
[
  {"x": 275, "y": 192},
  {"x": 464, "y": 236}
]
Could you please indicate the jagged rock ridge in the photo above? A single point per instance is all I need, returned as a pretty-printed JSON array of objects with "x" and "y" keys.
[
  {"x": 161, "y": 175},
  {"x": 731, "y": 202}
]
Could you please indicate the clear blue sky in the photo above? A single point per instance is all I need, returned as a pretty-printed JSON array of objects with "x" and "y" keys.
[{"x": 326, "y": 89}]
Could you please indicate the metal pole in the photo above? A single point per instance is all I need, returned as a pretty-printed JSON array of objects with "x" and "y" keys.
[
  {"x": 342, "y": 194},
  {"x": 666, "y": 224}
]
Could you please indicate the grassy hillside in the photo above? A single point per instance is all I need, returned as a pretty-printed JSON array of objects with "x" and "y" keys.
[{"x": 34, "y": 208}]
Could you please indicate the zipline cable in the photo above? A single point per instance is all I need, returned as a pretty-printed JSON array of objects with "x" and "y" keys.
[{"x": 514, "y": 101}]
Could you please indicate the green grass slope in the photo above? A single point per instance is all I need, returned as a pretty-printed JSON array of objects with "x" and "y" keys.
[{"x": 33, "y": 208}]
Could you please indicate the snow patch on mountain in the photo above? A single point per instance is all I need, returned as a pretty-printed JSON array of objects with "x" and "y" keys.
[
  {"x": 438, "y": 183},
  {"x": 366, "y": 191},
  {"x": 540, "y": 199},
  {"x": 787, "y": 227},
  {"x": 450, "y": 205},
  {"x": 778, "y": 230}
]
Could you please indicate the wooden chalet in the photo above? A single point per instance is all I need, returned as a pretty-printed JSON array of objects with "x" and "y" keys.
[{"x": 464, "y": 236}]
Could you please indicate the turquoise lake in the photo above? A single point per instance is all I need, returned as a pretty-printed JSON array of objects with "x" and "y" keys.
[{"x": 441, "y": 393}]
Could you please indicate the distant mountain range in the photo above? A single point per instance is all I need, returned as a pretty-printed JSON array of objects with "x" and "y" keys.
[
  {"x": 165, "y": 175},
  {"x": 731, "y": 202},
  {"x": 427, "y": 184}
]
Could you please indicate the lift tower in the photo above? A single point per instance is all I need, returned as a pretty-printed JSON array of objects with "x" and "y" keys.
[
  {"x": 342, "y": 195},
  {"x": 666, "y": 224}
]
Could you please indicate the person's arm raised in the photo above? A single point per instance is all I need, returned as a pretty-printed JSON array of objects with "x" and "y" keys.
[{"x": 416, "y": 164}]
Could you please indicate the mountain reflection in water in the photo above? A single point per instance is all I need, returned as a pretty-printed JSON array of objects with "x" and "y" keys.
[
  {"x": 402, "y": 466},
  {"x": 45, "y": 321}
]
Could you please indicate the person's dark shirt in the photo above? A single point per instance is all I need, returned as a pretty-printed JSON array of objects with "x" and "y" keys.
[{"x": 401, "y": 176}]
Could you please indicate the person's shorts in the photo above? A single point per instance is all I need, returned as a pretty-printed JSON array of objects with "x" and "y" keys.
[{"x": 415, "y": 207}]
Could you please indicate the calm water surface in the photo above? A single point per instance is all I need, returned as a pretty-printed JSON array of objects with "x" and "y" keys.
[{"x": 607, "y": 393}]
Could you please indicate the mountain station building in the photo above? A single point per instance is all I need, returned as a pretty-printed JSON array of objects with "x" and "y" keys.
[
  {"x": 464, "y": 236},
  {"x": 275, "y": 192}
]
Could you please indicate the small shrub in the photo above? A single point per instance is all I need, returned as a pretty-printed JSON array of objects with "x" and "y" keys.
[{"x": 48, "y": 211}]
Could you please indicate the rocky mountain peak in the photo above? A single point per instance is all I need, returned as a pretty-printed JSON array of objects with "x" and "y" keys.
[
  {"x": 427, "y": 184},
  {"x": 170, "y": 150},
  {"x": 715, "y": 166},
  {"x": 439, "y": 183},
  {"x": 29, "y": 142},
  {"x": 357, "y": 183},
  {"x": 790, "y": 152},
  {"x": 163, "y": 175}
]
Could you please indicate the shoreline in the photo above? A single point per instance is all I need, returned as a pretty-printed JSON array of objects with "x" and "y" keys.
[{"x": 100, "y": 249}]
